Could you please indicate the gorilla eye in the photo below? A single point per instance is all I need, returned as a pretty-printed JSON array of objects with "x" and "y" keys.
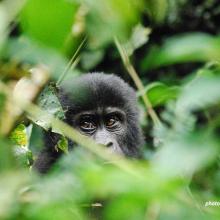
[
  {"x": 87, "y": 124},
  {"x": 111, "y": 121}
]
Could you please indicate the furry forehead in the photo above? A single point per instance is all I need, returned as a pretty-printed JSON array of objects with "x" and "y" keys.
[{"x": 99, "y": 89}]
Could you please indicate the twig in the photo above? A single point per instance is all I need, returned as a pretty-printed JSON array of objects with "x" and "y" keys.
[
  {"x": 132, "y": 72},
  {"x": 73, "y": 61}
]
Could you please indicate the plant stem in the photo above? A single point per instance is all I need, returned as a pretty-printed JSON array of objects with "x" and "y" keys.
[
  {"x": 73, "y": 61},
  {"x": 132, "y": 72}
]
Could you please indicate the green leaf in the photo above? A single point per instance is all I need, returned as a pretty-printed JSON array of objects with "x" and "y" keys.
[
  {"x": 7, "y": 159},
  {"x": 193, "y": 47},
  {"x": 2, "y": 102},
  {"x": 212, "y": 68},
  {"x": 199, "y": 93},
  {"x": 139, "y": 36},
  {"x": 48, "y": 21},
  {"x": 157, "y": 9},
  {"x": 185, "y": 153},
  {"x": 120, "y": 19},
  {"x": 48, "y": 101},
  {"x": 62, "y": 145},
  {"x": 24, "y": 156},
  {"x": 19, "y": 136},
  {"x": 90, "y": 60},
  {"x": 26, "y": 50},
  {"x": 159, "y": 93}
]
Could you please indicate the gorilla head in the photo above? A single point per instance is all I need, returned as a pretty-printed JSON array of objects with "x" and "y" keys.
[{"x": 103, "y": 107}]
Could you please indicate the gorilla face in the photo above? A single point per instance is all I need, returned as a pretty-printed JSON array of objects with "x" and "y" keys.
[
  {"x": 106, "y": 126},
  {"x": 101, "y": 106},
  {"x": 104, "y": 107}
]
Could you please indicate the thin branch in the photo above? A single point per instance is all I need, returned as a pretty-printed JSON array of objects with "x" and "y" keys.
[
  {"x": 132, "y": 72},
  {"x": 73, "y": 61}
]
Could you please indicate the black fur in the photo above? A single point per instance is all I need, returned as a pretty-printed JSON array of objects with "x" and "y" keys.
[{"x": 94, "y": 91}]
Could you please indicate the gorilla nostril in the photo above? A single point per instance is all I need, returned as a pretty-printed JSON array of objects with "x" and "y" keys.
[{"x": 110, "y": 144}]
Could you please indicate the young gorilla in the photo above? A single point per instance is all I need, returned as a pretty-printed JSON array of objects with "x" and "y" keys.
[{"x": 100, "y": 106}]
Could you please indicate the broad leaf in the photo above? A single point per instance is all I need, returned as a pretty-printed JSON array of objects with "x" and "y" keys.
[
  {"x": 159, "y": 93},
  {"x": 192, "y": 47}
]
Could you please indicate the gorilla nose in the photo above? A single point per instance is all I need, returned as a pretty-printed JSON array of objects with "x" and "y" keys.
[
  {"x": 103, "y": 138},
  {"x": 106, "y": 143},
  {"x": 109, "y": 144}
]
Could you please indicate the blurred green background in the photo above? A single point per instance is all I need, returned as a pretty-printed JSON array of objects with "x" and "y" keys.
[{"x": 174, "y": 46}]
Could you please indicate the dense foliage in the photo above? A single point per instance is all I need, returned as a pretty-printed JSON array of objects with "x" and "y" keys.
[{"x": 174, "y": 48}]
